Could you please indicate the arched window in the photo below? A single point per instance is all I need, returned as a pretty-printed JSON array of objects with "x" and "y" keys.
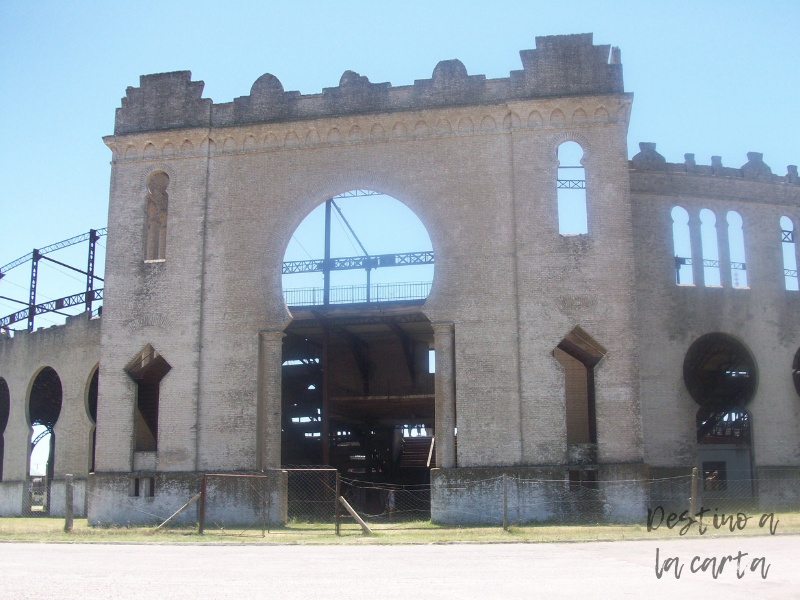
[
  {"x": 720, "y": 375},
  {"x": 571, "y": 187},
  {"x": 708, "y": 235},
  {"x": 789, "y": 256},
  {"x": 157, "y": 201},
  {"x": 736, "y": 247},
  {"x": 682, "y": 246},
  {"x": 719, "y": 372}
]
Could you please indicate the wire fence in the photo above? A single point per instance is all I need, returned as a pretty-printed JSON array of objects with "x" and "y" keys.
[
  {"x": 504, "y": 500},
  {"x": 253, "y": 504},
  {"x": 319, "y": 500},
  {"x": 37, "y": 496}
]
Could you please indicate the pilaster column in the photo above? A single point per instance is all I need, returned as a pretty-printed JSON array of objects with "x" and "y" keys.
[
  {"x": 268, "y": 420},
  {"x": 724, "y": 250},
  {"x": 697, "y": 249},
  {"x": 796, "y": 243},
  {"x": 445, "y": 390}
]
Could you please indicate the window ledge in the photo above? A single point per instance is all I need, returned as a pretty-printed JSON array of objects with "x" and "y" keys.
[{"x": 150, "y": 261}]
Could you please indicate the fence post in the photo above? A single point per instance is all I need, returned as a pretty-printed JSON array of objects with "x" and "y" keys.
[
  {"x": 693, "y": 499},
  {"x": 202, "y": 509},
  {"x": 336, "y": 501},
  {"x": 68, "y": 493},
  {"x": 264, "y": 503},
  {"x": 505, "y": 503}
]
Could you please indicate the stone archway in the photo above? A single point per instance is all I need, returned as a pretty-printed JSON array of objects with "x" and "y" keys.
[{"x": 721, "y": 376}]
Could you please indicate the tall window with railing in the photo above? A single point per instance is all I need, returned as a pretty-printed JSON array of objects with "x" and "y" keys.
[
  {"x": 682, "y": 246},
  {"x": 736, "y": 246},
  {"x": 571, "y": 188},
  {"x": 708, "y": 236},
  {"x": 789, "y": 256}
]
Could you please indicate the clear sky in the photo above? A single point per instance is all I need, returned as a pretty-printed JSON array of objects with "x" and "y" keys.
[{"x": 708, "y": 77}]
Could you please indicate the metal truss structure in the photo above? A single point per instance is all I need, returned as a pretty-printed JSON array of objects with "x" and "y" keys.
[{"x": 86, "y": 298}]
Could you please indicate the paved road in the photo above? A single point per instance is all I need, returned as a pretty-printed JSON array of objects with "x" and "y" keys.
[{"x": 504, "y": 571}]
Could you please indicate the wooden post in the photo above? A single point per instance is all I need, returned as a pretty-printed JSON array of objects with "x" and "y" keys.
[
  {"x": 202, "y": 510},
  {"x": 180, "y": 510},
  {"x": 336, "y": 502},
  {"x": 326, "y": 381},
  {"x": 430, "y": 451},
  {"x": 264, "y": 508},
  {"x": 693, "y": 499},
  {"x": 68, "y": 492},
  {"x": 354, "y": 514},
  {"x": 505, "y": 503}
]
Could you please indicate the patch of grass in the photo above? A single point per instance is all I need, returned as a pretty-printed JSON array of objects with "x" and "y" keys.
[{"x": 424, "y": 532}]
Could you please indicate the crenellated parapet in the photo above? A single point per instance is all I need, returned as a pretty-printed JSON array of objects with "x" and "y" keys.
[
  {"x": 755, "y": 169},
  {"x": 566, "y": 65},
  {"x": 163, "y": 101}
]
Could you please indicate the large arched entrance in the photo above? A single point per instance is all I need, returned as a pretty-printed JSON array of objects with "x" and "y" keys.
[
  {"x": 720, "y": 374},
  {"x": 44, "y": 408},
  {"x": 358, "y": 382}
]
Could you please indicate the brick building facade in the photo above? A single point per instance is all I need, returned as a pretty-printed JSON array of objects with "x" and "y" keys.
[{"x": 529, "y": 325}]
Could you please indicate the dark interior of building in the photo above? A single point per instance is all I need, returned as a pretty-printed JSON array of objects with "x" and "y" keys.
[{"x": 358, "y": 393}]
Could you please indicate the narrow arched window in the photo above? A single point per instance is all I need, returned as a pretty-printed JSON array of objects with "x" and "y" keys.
[
  {"x": 571, "y": 187},
  {"x": 157, "y": 202},
  {"x": 682, "y": 246},
  {"x": 736, "y": 247},
  {"x": 708, "y": 235},
  {"x": 789, "y": 256}
]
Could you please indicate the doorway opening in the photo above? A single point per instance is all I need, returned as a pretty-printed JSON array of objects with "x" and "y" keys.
[{"x": 579, "y": 353}]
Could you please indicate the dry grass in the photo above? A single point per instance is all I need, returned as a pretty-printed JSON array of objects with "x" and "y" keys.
[{"x": 51, "y": 530}]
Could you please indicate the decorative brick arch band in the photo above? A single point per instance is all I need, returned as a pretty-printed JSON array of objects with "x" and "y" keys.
[{"x": 570, "y": 136}]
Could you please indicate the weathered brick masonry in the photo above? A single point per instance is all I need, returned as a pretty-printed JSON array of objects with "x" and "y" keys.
[{"x": 476, "y": 160}]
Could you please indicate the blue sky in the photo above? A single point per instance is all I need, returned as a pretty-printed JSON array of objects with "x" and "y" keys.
[{"x": 708, "y": 78}]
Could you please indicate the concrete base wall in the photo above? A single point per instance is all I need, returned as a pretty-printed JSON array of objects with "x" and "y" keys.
[
  {"x": 778, "y": 488},
  {"x": 58, "y": 496},
  {"x": 623, "y": 492},
  {"x": 229, "y": 501},
  {"x": 241, "y": 502},
  {"x": 12, "y": 494},
  {"x": 111, "y": 501},
  {"x": 461, "y": 496}
]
